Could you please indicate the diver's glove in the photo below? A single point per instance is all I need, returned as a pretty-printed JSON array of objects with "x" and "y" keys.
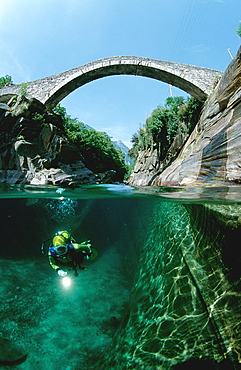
[
  {"x": 88, "y": 254},
  {"x": 62, "y": 273},
  {"x": 87, "y": 243}
]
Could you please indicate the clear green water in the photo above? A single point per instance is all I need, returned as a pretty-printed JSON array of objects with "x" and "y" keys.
[{"x": 73, "y": 328}]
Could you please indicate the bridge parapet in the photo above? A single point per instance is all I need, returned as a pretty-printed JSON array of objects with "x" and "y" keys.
[{"x": 196, "y": 81}]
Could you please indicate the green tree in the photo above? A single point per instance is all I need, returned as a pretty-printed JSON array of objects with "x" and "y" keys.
[
  {"x": 239, "y": 30},
  {"x": 177, "y": 116},
  {"x": 156, "y": 126},
  {"x": 189, "y": 112},
  {"x": 174, "y": 103},
  {"x": 70, "y": 123},
  {"x": 133, "y": 151},
  {"x": 6, "y": 80},
  {"x": 98, "y": 151},
  {"x": 163, "y": 124}
]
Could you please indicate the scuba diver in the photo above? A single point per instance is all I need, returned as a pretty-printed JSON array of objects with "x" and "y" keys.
[{"x": 65, "y": 254}]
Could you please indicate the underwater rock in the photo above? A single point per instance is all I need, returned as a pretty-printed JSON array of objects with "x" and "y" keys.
[
  {"x": 208, "y": 364},
  {"x": 11, "y": 352},
  {"x": 185, "y": 305},
  {"x": 229, "y": 215}
]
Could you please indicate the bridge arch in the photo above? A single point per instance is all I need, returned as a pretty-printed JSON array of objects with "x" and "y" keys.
[{"x": 196, "y": 81}]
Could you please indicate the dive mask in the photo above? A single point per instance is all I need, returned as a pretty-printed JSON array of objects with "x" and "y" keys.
[{"x": 61, "y": 250}]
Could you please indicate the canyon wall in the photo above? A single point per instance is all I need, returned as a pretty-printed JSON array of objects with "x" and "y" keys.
[
  {"x": 212, "y": 152},
  {"x": 34, "y": 148}
]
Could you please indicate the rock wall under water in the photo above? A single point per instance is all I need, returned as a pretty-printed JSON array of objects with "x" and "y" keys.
[{"x": 186, "y": 300}]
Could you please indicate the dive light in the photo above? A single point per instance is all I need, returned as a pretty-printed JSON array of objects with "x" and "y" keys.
[{"x": 66, "y": 281}]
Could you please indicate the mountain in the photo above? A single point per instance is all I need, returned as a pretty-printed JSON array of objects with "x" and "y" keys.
[
  {"x": 124, "y": 149},
  {"x": 118, "y": 145}
]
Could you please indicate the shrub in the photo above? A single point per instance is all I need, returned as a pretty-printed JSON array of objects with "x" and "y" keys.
[
  {"x": 6, "y": 80},
  {"x": 177, "y": 116}
]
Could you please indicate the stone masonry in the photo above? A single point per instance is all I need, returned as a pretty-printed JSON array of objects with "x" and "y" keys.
[{"x": 196, "y": 81}]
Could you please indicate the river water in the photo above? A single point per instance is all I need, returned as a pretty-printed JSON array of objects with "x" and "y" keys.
[{"x": 80, "y": 326}]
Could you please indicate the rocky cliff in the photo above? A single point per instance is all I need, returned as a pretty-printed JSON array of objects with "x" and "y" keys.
[
  {"x": 212, "y": 152},
  {"x": 34, "y": 149}
]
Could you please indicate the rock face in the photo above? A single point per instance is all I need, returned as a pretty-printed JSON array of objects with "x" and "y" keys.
[
  {"x": 185, "y": 303},
  {"x": 212, "y": 152},
  {"x": 33, "y": 149},
  {"x": 148, "y": 165}
]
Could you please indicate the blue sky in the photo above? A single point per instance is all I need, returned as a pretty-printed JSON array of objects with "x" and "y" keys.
[{"x": 39, "y": 38}]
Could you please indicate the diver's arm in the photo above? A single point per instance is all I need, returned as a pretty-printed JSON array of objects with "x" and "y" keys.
[
  {"x": 83, "y": 247},
  {"x": 53, "y": 264},
  {"x": 56, "y": 267}
]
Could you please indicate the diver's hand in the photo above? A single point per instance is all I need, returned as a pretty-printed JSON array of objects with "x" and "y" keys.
[
  {"x": 62, "y": 273},
  {"x": 88, "y": 254}
]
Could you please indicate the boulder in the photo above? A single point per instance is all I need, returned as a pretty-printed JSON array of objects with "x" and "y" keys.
[
  {"x": 4, "y": 107},
  {"x": 26, "y": 107},
  {"x": 33, "y": 149},
  {"x": 65, "y": 176},
  {"x": 12, "y": 352}
]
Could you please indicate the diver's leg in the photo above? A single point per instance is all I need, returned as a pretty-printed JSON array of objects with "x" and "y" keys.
[
  {"x": 79, "y": 258},
  {"x": 76, "y": 273},
  {"x": 74, "y": 266}
]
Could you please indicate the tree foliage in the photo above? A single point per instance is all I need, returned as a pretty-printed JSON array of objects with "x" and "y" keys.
[
  {"x": 6, "y": 80},
  {"x": 98, "y": 151},
  {"x": 239, "y": 30},
  {"x": 177, "y": 116}
]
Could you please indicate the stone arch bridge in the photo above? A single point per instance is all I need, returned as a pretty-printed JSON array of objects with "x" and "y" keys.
[{"x": 196, "y": 81}]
